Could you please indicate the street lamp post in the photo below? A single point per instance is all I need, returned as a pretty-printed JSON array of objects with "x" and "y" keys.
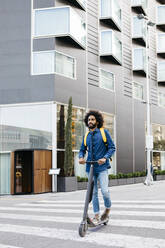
[{"x": 149, "y": 137}]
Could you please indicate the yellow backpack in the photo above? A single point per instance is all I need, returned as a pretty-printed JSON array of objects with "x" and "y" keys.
[{"x": 102, "y": 134}]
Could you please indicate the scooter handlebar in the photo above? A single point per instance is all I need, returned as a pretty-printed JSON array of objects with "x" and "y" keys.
[{"x": 91, "y": 162}]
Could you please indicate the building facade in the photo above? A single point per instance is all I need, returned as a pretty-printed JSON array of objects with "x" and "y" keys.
[{"x": 93, "y": 51}]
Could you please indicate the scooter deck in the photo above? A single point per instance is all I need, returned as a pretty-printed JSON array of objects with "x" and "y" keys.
[{"x": 91, "y": 224}]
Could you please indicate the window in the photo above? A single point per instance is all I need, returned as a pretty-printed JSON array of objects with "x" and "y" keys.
[
  {"x": 139, "y": 28},
  {"x": 161, "y": 71},
  {"x": 48, "y": 62},
  {"x": 111, "y": 46},
  {"x": 140, "y": 5},
  {"x": 139, "y": 59},
  {"x": 161, "y": 99},
  {"x": 109, "y": 9},
  {"x": 160, "y": 14},
  {"x": 106, "y": 80},
  {"x": 138, "y": 91},
  {"x": 161, "y": 43},
  {"x": 59, "y": 22}
]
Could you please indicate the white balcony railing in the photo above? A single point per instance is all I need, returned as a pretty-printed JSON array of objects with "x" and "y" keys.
[
  {"x": 110, "y": 10},
  {"x": 139, "y": 59},
  {"x": 110, "y": 45},
  {"x": 59, "y": 22},
  {"x": 53, "y": 62},
  {"x": 140, "y": 4},
  {"x": 139, "y": 28},
  {"x": 161, "y": 15},
  {"x": 161, "y": 71},
  {"x": 161, "y": 43}
]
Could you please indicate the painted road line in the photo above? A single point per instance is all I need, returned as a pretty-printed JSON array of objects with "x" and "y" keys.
[
  {"x": 80, "y": 211},
  {"x": 113, "y": 201},
  {"x": 81, "y": 205},
  {"x": 103, "y": 239},
  {"x": 74, "y": 220},
  {"x": 8, "y": 246}
]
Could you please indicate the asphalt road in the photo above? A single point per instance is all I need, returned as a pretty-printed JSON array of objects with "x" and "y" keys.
[{"x": 52, "y": 220}]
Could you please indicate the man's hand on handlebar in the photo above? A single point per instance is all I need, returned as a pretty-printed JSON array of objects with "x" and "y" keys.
[
  {"x": 101, "y": 161},
  {"x": 82, "y": 161}
]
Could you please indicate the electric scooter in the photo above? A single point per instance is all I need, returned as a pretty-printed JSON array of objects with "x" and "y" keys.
[{"x": 86, "y": 221}]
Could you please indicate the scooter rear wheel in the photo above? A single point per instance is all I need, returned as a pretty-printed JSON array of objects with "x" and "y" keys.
[{"x": 83, "y": 229}]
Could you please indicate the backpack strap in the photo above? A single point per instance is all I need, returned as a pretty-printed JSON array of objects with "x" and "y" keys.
[
  {"x": 103, "y": 136},
  {"x": 85, "y": 139}
]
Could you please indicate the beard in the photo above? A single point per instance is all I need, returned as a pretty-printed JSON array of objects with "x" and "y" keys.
[{"x": 92, "y": 126}]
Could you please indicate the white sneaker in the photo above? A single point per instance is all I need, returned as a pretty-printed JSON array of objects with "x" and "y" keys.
[{"x": 96, "y": 220}]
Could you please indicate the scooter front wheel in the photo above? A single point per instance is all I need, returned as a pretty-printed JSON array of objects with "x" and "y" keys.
[{"x": 83, "y": 229}]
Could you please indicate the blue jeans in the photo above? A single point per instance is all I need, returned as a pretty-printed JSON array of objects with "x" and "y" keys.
[{"x": 102, "y": 177}]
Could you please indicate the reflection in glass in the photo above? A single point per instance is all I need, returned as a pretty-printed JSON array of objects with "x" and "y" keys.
[
  {"x": 138, "y": 91},
  {"x": 106, "y": 79},
  {"x": 161, "y": 99},
  {"x": 26, "y": 127},
  {"x": 59, "y": 21},
  {"x": 142, "y": 3},
  {"x": 139, "y": 28},
  {"x": 160, "y": 14},
  {"x": 139, "y": 59},
  {"x": 110, "y": 9},
  {"x": 159, "y": 137},
  {"x": 47, "y": 62},
  {"x": 161, "y": 43},
  {"x": 110, "y": 45},
  {"x": 78, "y": 128},
  {"x": 161, "y": 71}
]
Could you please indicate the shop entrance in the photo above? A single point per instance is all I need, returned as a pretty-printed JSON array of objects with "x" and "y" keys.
[
  {"x": 30, "y": 171},
  {"x": 23, "y": 172}
]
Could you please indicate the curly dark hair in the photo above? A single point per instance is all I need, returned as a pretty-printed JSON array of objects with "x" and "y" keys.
[{"x": 97, "y": 115}]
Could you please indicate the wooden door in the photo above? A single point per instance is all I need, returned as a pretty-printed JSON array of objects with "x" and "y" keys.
[{"x": 42, "y": 164}]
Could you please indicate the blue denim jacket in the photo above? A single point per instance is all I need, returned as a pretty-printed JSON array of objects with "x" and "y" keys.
[{"x": 99, "y": 150}]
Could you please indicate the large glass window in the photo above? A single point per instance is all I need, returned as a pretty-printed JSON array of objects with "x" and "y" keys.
[
  {"x": 106, "y": 80},
  {"x": 161, "y": 71},
  {"x": 139, "y": 28},
  {"x": 59, "y": 22},
  {"x": 159, "y": 137},
  {"x": 160, "y": 14},
  {"x": 110, "y": 9},
  {"x": 161, "y": 99},
  {"x": 78, "y": 128},
  {"x": 47, "y": 62},
  {"x": 22, "y": 127},
  {"x": 139, "y": 59},
  {"x": 161, "y": 43},
  {"x": 138, "y": 91},
  {"x": 110, "y": 45}
]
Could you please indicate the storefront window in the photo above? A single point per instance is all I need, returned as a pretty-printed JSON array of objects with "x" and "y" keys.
[
  {"x": 78, "y": 128},
  {"x": 22, "y": 127},
  {"x": 159, "y": 137}
]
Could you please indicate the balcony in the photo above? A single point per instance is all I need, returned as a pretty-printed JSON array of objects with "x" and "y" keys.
[
  {"x": 111, "y": 46},
  {"x": 139, "y": 61},
  {"x": 79, "y": 3},
  {"x": 61, "y": 22},
  {"x": 110, "y": 13},
  {"x": 139, "y": 6},
  {"x": 53, "y": 62},
  {"x": 139, "y": 30},
  {"x": 161, "y": 17},
  {"x": 161, "y": 71},
  {"x": 161, "y": 45},
  {"x": 161, "y": 1}
]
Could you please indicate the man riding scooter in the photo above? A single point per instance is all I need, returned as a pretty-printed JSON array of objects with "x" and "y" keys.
[{"x": 100, "y": 148}]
